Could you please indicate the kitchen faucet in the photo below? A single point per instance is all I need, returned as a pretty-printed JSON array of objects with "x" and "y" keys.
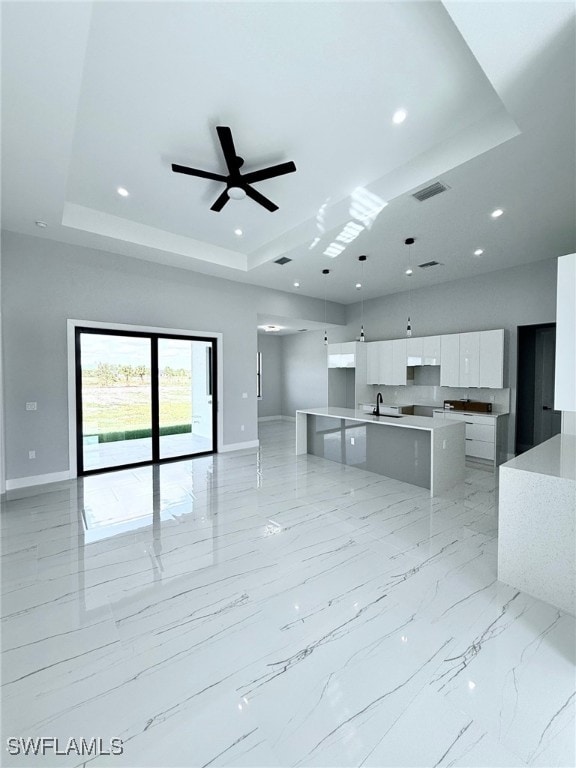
[{"x": 376, "y": 411}]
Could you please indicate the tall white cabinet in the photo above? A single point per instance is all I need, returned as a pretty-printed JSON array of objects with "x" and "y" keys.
[
  {"x": 491, "y": 368},
  {"x": 469, "y": 363},
  {"x": 450, "y": 360}
]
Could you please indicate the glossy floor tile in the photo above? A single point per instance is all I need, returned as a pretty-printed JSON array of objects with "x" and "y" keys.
[{"x": 267, "y": 609}]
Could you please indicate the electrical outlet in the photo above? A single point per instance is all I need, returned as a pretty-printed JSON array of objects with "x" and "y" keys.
[
  {"x": 244, "y": 395},
  {"x": 352, "y": 439},
  {"x": 443, "y": 445},
  {"x": 242, "y": 428},
  {"x": 31, "y": 454},
  {"x": 31, "y": 406}
]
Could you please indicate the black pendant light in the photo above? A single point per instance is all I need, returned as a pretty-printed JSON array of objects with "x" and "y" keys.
[
  {"x": 409, "y": 242},
  {"x": 325, "y": 272},
  {"x": 362, "y": 260}
]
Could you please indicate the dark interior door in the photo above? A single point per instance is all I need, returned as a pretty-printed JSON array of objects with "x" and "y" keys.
[{"x": 536, "y": 419}]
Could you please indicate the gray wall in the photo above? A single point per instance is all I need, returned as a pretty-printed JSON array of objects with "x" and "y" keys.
[
  {"x": 508, "y": 298},
  {"x": 305, "y": 367},
  {"x": 44, "y": 283},
  {"x": 271, "y": 348}
]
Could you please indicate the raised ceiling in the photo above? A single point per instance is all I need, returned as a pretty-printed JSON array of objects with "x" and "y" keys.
[{"x": 102, "y": 95}]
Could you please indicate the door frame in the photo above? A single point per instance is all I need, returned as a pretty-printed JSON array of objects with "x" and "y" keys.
[
  {"x": 522, "y": 333},
  {"x": 136, "y": 330}
]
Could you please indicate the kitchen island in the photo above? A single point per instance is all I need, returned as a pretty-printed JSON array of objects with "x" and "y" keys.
[{"x": 419, "y": 450}]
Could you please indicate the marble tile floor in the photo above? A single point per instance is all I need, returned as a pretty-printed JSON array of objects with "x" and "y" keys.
[{"x": 266, "y": 609}]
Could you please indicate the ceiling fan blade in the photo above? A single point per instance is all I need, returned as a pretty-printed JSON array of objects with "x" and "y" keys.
[
  {"x": 197, "y": 172},
  {"x": 269, "y": 173},
  {"x": 220, "y": 202},
  {"x": 227, "y": 144},
  {"x": 257, "y": 197}
]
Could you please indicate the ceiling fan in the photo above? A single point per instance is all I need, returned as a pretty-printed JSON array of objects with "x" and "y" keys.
[{"x": 237, "y": 185}]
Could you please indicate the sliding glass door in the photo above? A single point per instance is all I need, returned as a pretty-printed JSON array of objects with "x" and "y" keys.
[
  {"x": 142, "y": 398},
  {"x": 185, "y": 397}
]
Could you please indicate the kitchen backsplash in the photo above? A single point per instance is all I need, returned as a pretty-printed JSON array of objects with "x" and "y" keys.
[{"x": 413, "y": 394}]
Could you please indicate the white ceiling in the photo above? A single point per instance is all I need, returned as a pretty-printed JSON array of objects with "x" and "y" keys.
[{"x": 98, "y": 95}]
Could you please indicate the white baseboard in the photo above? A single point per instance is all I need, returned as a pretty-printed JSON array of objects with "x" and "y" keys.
[
  {"x": 239, "y": 446},
  {"x": 277, "y": 418},
  {"x": 26, "y": 482}
]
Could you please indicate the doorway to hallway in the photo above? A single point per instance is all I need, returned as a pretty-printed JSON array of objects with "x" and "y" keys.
[
  {"x": 143, "y": 398},
  {"x": 536, "y": 419}
]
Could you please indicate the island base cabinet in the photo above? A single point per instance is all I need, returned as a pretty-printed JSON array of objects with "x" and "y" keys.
[{"x": 402, "y": 454}]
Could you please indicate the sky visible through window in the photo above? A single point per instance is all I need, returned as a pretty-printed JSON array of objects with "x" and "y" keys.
[{"x": 131, "y": 350}]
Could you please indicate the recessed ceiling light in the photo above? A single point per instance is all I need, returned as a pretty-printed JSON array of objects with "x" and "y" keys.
[
  {"x": 41, "y": 224},
  {"x": 296, "y": 285},
  {"x": 478, "y": 252},
  {"x": 238, "y": 232},
  {"x": 123, "y": 192},
  {"x": 498, "y": 212},
  {"x": 399, "y": 116},
  {"x": 358, "y": 286},
  {"x": 409, "y": 271}
]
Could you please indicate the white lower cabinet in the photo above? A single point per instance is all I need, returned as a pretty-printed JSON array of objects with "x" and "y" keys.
[
  {"x": 479, "y": 449},
  {"x": 481, "y": 432}
]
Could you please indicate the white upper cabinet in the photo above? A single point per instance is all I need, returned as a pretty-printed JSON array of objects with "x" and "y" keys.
[
  {"x": 373, "y": 362},
  {"x": 380, "y": 363},
  {"x": 424, "y": 350},
  {"x": 414, "y": 351},
  {"x": 450, "y": 360},
  {"x": 430, "y": 350},
  {"x": 492, "y": 359},
  {"x": 470, "y": 359},
  {"x": 342, "y": 355},
  {"x": 386, "y": 363},
  {"x": 398, "y": 361}
]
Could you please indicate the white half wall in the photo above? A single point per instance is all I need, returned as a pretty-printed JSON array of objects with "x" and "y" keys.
[
  {"x": 270, "y": 347},
  {"x": 565, "y": 380}
]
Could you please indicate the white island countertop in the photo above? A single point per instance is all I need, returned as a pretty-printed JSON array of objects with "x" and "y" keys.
[
  {"x": 556, "y": 457},
  {"x": 407, "y": 422}
]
